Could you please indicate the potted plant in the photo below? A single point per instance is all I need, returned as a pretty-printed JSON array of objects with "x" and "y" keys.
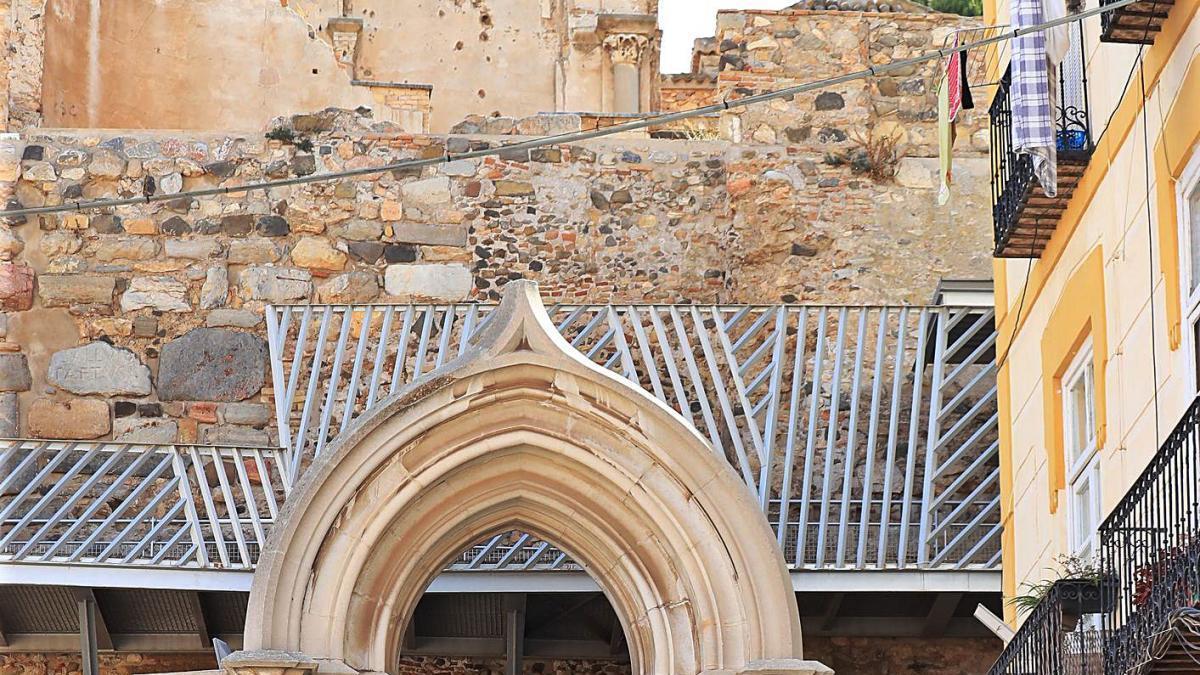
[
  {"x": 1082, "y": 588},
  {"x": 1169, "y": 568}
]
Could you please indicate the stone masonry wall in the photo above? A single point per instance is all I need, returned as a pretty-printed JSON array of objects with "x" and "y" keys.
[
  {"x": 22, "y": 69},
  {"x": 847, "y": 656},
  {"x": 769, "y": 50},
  {"x": 109, "y": 310},
  {"x": 22, "y": 663}
]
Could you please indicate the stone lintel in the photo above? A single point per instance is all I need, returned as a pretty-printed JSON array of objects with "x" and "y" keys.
[{"x": 344, "y": 24}]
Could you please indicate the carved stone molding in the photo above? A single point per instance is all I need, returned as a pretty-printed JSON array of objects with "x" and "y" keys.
[{"x": 626, "y": 47}]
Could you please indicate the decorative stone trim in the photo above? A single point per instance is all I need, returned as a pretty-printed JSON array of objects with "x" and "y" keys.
[
  {"x": 626, "y": 47},
  {"x": 524, "y": 430}
]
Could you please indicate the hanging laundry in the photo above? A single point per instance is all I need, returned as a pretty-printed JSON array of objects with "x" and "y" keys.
[
  {"x": 945, "y": 141},
  {"x": 950, "y": 102},
  {"x": 1032, "y": 106},
  {"x": 968, "y": 101},
  {"x": 1058, "y": 39},
  {"x": 954, "y": 83}
]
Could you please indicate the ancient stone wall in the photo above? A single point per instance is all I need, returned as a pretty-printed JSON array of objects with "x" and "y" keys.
[
  {"x": 765, "y": 50},
  {"x": 5, "y": 37},
  {"x": 23, "y": 58},
  {"x": 687, "y": 92},
  {"x": 857, "y": 656},
  {"x": 617, "y": 220},
  {"x": 126, "y": 663}
]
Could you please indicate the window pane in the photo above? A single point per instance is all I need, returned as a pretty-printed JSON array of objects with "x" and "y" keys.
[{"x": 1078, "y": 411}]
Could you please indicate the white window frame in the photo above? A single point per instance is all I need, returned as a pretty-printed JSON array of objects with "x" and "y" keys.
[
  {"x": 1189, "y": 180},
  {"x": 1082, "y": 464}
]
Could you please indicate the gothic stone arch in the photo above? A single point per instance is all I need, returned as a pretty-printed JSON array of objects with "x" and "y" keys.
[{"x": 524, "y": 432}]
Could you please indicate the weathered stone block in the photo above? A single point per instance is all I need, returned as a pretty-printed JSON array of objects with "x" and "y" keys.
[
  {"x": 429, "y": 192},
  {"x": 16, "y": 287},
  {"x": 14, "y": 373},
  {"x": 155, "y": 430},
  {"x": 236, "y": 436},
  {"x": 215, "y": 291},
  {"x": 10, "y": 421},
  {"x": 249, "y": 414},
  {"x": 434, "y": 282},
  {"x": 357, "y": 230},
  {"x": 275, "y": 284},
  {"x": 192, "y": 249},
  {"x": 212, "y": 364},
  {"x": 99, "y": 368},
  {"x": 317, "y": 253},
  {"x": 512, "y": 188},
  {"x": 160, "y": 293},
  {"x": 74, "y": 419},
  {"x": 62, "y": 290},
  {"x": 352, "y": 287},
  {"x": 253, "y": 251},
  {"x": 430, "y": 235},
  {"x": 125, "y": 248},
  {"x": 233, "y": 318}
]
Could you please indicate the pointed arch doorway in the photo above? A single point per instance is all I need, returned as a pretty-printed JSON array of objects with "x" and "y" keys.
[{"x": 522, "y": 432}]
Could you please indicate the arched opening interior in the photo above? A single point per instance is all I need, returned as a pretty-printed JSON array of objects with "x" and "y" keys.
[{"x": 514, "y": 602}]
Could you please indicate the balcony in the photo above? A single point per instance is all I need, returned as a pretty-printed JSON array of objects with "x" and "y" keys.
[
  {"x": 1057, "y": 638},
  {"x": 1024, "y": 218},
  {"x": 1136, "y": 23},
  {"x": 1151, "y": 544}
]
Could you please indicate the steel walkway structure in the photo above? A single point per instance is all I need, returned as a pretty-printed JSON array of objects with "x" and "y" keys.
[{"x": 868, "y": 435}]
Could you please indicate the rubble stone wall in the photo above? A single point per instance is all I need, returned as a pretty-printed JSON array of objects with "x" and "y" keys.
[
  {"x": 124, "y": 663},
  {"x": 856, "y": 656},
  {"x": 769, "y": 50},
  {"x": 614, "y": 220},
  {"x": 22, "y": 69}
]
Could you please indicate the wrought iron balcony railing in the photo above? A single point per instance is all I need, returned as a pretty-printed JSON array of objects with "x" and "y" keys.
[
  {"x": 1151, "y": 545},
  {"x": 1058, "y": 637},
  {"x": 1023, "y": 217},
  {"x": 1137, "y": 23}
]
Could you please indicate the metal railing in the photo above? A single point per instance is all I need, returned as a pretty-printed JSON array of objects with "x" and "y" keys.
[
  {"x": 1057, "y": 638},
  {"x": 875, "y": 426},
  {"x": 1012, "y": 172},
  {"x": 1150, "y": 543},
  {"x": 869, "y": 434},
  {"x": 133, "y": 504}
]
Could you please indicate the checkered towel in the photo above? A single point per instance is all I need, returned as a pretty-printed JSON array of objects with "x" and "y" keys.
[{"x": 1033, "y": 96}]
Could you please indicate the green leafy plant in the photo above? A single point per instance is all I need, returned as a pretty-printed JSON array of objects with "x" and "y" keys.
[
  {"x": 287, "y": 136},
  {"x": 1069, "y": 567},
  {"x": 282, "y": 134},
  {"x": 960, "y": 7}
]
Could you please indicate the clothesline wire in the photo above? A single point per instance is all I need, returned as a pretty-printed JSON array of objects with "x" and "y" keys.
[{"x": 575, "y": 136}]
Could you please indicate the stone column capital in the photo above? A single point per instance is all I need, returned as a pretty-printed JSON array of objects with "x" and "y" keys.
[{"x": 626, "y": 47}]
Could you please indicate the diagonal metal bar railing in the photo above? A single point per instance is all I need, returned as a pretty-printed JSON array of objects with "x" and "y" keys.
[
  {"x": 133, "y": 504},
  {"x": 869, "y": 434}
]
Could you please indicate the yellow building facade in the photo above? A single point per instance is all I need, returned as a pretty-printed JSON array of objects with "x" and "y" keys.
[{"x": 1097, "y": 330}]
